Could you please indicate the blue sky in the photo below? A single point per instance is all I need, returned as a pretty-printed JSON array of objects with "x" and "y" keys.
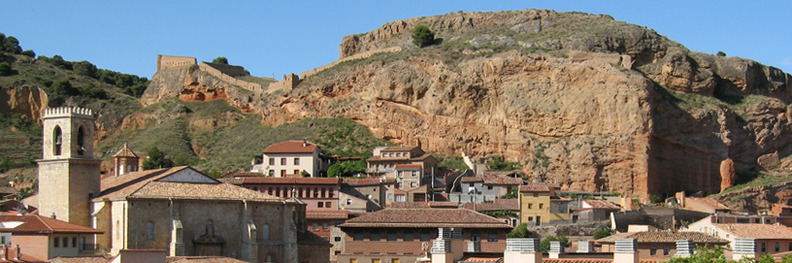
[{"x": 276, "y": 38}]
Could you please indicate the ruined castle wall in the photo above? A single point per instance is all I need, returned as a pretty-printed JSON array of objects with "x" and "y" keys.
[
  {"x": 361, "y": 55},
  {"x": 254, "y": 87},
  {"x": 286, "y": 84},
  {"x": 174, "y": 62}
]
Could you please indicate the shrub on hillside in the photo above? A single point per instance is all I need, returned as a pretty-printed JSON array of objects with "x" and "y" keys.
[
  {"x": 521, "y": 231},
  {"x": 220, "y": 60},
  {"x": 5, "y": 69},
  {"x": 422, "y": 36}
]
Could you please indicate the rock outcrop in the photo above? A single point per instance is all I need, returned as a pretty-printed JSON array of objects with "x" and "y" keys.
[
  {"x": 24, "y": 100},
  {"x": 580, "y": 100}
]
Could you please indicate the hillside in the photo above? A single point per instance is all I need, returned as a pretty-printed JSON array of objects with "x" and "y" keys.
[{"x": 580, "y": 100}]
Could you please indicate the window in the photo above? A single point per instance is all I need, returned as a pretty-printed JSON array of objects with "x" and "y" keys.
[
  {"x": 149, "y": 230},
  {"x": 410, "y": 236},
  {"x": 375, "y": 260},
  {"x": 337, "y": 239},
  {"x": 328, "y": 204},
  {"x": 324, "y": 226},
  {"x": 536, "y": 194},
  {"x": 530, "y": 206},
  {"x": 324, "y": 192},
  {"x": 666, "y": 251},
  {"x": 269, "y": 192},
  {"x": 493, "y": 237},
  {"x": 296, "y": 160},
  {"x": 316, "y": 226},
  {"x": 375, "y": 236},
  {"x": 426, "y": 237},
  {"x": 777, "y": 246},
  {"x": 65, "y": 242},
  {"x": 330, "y": 193},
  {"x": 353, "y": 260},
  {"x": 57, "y": 242},
  {"x": 265, "y": 233},
  {"x": 395, "y": 260},
  {"x": 296, "y": 171},
  {"x": 489, "y": 187},
  {"x": 271, "y": 173},
  {"x": 541, "y": 205},
  {"x": 764, "y": 247},
  {"x": 349, "y": 201},
  {"x": 57, "y": 141},
  {"x": 398, "y": 154},
  {"x": 320, "y": 204},
  {"x": 391, "y": 236},
  {"x": 400, "y": 198},
  {"x": 80, "y": 145},
  {"x": 271, "y": 161},
  {"x": 530, "y": 218},
  {"x": 283, "y": 173},
  {"x": 653, "y": 251}
]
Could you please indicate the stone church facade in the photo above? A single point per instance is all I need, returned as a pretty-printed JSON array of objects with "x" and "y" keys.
[{"x": 179, "y": 209}]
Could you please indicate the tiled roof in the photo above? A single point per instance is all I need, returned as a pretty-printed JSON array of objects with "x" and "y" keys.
[
  {"x": 471, "y": 179},
  {"x": 502, "y": 173},
  {"x": 757, "y": 231},
  {"x": 407, "y": 166},
  {"x": 145, "y": 184},
  {"x": 594, "y": 260},
  {"x": 601, "y": 204},
  {"x": 365, "y": 181},
  {"x": 327, "y": 214},
  {"x": 43, "y": 225},
  {"x": 202, "y": 259},
  {"x": 125, "y": 152},
  {"x": 535, "y": 187},
  {"x": 90, "y": 259},
  {"x": 711, "y": 202},
  {"x": 432, "y": 204},
  {"x": 291, "y": 147},
  {"x": 501, "y": 180},
  {"x": 499, "y": 204},
  {"x": 398, "y": 149},
  {"x": 665, "y": 237},
  {"x": 425, "y": 218},
  {"x": 290, "y": 181}
]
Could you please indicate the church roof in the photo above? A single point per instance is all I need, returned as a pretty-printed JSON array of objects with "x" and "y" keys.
[
  {"x": 181, "y": 182},
  {"x": 125, "y": 152},
  {"x": 425, "y": 218}
]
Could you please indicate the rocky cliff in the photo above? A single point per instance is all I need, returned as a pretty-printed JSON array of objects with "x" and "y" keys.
[{"x": 580, "y": 100}]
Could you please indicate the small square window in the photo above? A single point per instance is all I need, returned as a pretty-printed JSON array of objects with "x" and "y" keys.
[
  {"x": 320, "y": 204},
  {"x": 328, "y": 204},
  {"x": 296, "y": 161},
  {"x": 283, "y": 161},
  {"x": 337, "y": 239}
]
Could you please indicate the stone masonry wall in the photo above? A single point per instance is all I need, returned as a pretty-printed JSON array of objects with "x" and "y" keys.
[
  {"x": 361, "y": 55},
  {"x": 174, "y": 62},
  {"x": 254, "y": 87}
]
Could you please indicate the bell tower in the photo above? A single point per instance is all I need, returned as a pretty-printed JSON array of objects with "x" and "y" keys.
[{"x": 68, "y": 173}]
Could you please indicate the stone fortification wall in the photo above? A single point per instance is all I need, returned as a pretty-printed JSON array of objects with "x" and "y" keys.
[
  {"x": 254, "y": 87},
  {"x": 286, "y": 84},
  {"x": 174, "y": 62},
  {"x": 348, "y": 58}
]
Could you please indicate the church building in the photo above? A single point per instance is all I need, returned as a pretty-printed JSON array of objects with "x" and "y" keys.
[{"x": 179, "y": 209}]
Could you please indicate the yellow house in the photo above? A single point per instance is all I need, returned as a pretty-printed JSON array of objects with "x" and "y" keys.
[{"x": 539, "y": 204}]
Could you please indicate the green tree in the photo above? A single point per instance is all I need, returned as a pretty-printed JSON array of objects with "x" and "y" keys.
[
  {"x": 5, "y": 69},
  {"x": 220, "y": 60},
  {"x": 544, "y": 246},
  {"x": 6, "y": 164},
  {"x": 156, "y": 159},
  {"x": 422, "y": 36},
  {"x": 29, "y": 53},
  {"x": 11, "y": 45},
  {"x": 85, "y": 68},
  {"x": 64, "y": 87},
  {"x": 346, "y": 169},
  {"x": 603, "y": 232},
  {"x": 511, "y": 194},
  {"x": 721, "y": 54},
  {"x": 521, "y": 231}
]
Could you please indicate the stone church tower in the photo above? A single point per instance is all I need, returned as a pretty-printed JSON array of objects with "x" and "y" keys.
[{"x": 68, "y": 173}]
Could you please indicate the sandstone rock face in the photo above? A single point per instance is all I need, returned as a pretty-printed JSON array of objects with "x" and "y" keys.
[
  {"x": 27, "y": 101},
  {"x": 667, "y": 120},
  {"x": 769, "y": 161}
]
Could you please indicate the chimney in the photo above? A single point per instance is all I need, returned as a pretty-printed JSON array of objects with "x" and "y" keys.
[
  {"x": 585, "y": 246},
  {"x": 522, "y": 250},
  {"x": 744, "y": 248},
  {"x": 305, "y": 143},
  {"x": 18, "y": 253},
  {"x": 684, "y": 248},
  {"x": 556, "y": 249},
  {"x": 626, "y": 251}
]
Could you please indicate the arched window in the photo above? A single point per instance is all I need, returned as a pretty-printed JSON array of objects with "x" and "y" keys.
[
  {"x": 209, "y": 228},
  {"x": 80, "y": 141},
  {"x": 150, "y": 230},
  {"x": 57, "y": 141}
]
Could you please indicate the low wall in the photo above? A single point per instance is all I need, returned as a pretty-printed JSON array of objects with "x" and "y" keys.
[
  {"x": 254, "y": 87},
  {"x": 174, "y": 62},
  {"x": 348, "y": 58}
]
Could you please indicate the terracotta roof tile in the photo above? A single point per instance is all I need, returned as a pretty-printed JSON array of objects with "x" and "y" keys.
[
  {"x": 535, "y": 187},
  {"x": 602, "y": 204},
  {"x": 40, "y": 224},
  {"x": 425, "y": 218},
  {"x": 665, "y": 237},
  {"x": 471, "y": 179},
  {"x": 757, "y": 231},
  {"x": 501, "y": 180},
  {"x": 365, "y": 181},
  {"x": 125, "y": 152},
  {"x": 398, "y": 148},
  {"x": 432, "y": 204},
  {"x": 89, "y": 259},
  {"x": 499, "y": 204},
  {"x": 291, "y": 147},
  {"x": 711, "y": 202},
  {"x": 327, "y": 214},
  {"x": 202, "y": 259}
]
